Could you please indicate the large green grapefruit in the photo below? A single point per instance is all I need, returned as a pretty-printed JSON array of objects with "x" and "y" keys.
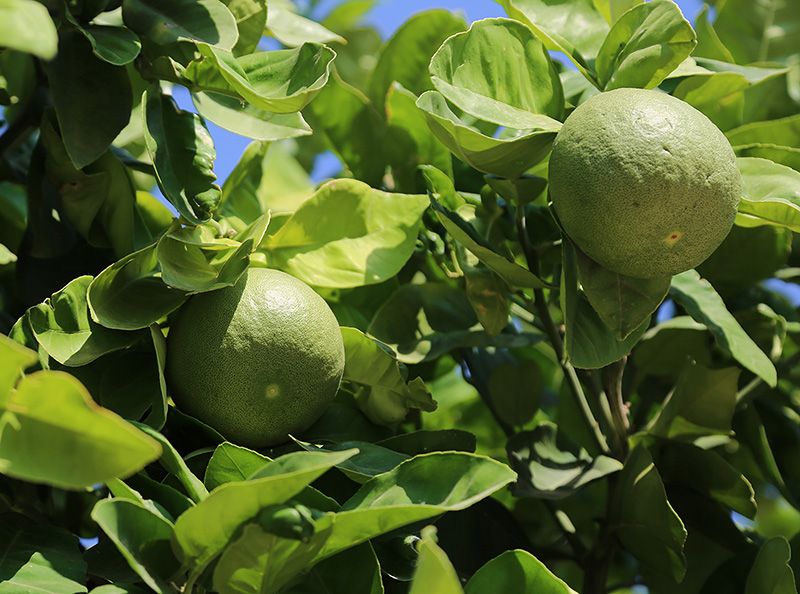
[
  {"x": 257, "y": 361},
  {"x": 643, "y": 183}
]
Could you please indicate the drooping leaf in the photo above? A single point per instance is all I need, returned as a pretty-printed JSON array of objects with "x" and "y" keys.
[
  {"x": 166, "y": 22},
  {"x": 26, "y": 26},
  {"x": 405, "y": 58},
  {"x": 770, "y": 194},
  {"x": 623, "y": 303},
  {"x": 644, "y": 46},
  {"x": 244, "y": 119},
  {"x": 347, "y": 235},
  {"x": 507, "y": 156},
  {"x": 129, "y": 294},
  {"x": 434, "y": 572},
  {"x": 183, "y": 155},
  {"x": 550, "y": 467},
  {"x": 92, "y": 98},
  {"x": 39, "y": 557},
  {"x": 500, "y": 72},
  {"x": 643, "y": 519},
  {"x": 142, "y": 537},
  {"x": 703, "y": 303},
  {"x": 383, "y": 394},
  {"x": 54, "y": 433},
  {"x": 64, "y": 328},
  {"x": 516, "y": 571}
]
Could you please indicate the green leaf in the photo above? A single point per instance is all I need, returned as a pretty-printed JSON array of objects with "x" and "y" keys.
[
  {"x": 354, "y": 128},
  {"x": 115, "y": 45},
  {"x": 488, "y": 294},
  {"x": 16, "y": 358},
  {"x": 706, "y": 472},
  {"x": 251, "y": 18},
  {"x": 293, "y": 30},
  {"x": 781, "y": 132},
  {"x": 193, "y": 259},
  {"x": 347, "y": 235},
  {"x": 53, "y": 433},
  {"x": 509, "y": 156},
  {"x": 423, "y": 322},
  {"x": 702, "y": 302},
  {"x": 589, "y": 343},
  {"x": 516, "y": 571},
  {"x": 371, "y": 460},
  {"x": 203, "y": 532},
  {"x": 467, "y": 235},
  {"x": 644, "y": 46},
  {"x": 410, "y": 142},
  {"x": 383, "y": 394},
  {"x": 117, "y": 589},
  {"x": 516, "y": 391},
  {"x": 771, "y": 571},
  {"x": 575, "y": 28},
  {"x": 166, "y": 22},
  {"x": 750, "y": 32},
  {"x": 355, "y": 571},
  {"x": 405, "y": 58},
  {"x": 63, "y": 326},
  {"x": 39, "y": 558},
  {"x": 26, "y": 26},
  {"x": 231, "y": 463},
  {"x": 770, "y": 194},
  {"x": 623, "y": 303},
  {"x": 244, "y": 119},
  {"x": 129, "y": 294},
  {"x": 550, "y": 467},
  {"x": 643, "y": 519},
  {"x": 709, "y": 44},
  {"x": 280, "y": 81},
  {"x": 434, "y": 572},
  {"x": 143, "y": 538},
  {"x": 267, "y": 178},
  {"x": 668, "y": 347},
  {"x": 93, "y": 99},
  {"x": 183, "y": 155},
  {"x": 500, "y": 72}
]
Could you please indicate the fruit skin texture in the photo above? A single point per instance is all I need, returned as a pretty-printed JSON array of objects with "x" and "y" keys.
[
  {"x": 256, "y": 361},
  {"x": 643, "y": 183}
]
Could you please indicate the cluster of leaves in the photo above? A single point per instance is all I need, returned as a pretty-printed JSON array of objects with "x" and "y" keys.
[{"x": 580, "y": 438}]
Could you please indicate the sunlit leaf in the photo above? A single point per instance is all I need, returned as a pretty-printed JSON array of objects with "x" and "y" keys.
[
  {"x": 169, "y": 21},
  {"x": 26, "y": 26}
]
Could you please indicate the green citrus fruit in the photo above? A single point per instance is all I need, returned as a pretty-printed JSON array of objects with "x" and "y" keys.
[
  {"x": 643, "y": 183},
  {"x": 257, "y": 361}
]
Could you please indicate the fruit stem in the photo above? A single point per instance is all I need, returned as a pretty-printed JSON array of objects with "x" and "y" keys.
[
  {"x": 612, "y": 384},
  {"x": 543, "y": 312}
]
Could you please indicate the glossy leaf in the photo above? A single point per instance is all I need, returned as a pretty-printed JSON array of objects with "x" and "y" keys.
[
  {"x": 166, "y": 22},
  {"x": 183, "y": 155},
  {"x": 643, "y": 519},
  {"x": 142, "y": 537},
  {"x": 434, "y": 572},
  {"x": 703, "y": 303},
  {"x": 589, "y": 343},
  {"x": 115, "y": 45},
  {"x": 510, "y": 156},
  {"x": 93, "y": 99},
  {"x": 347, "y": 235},
  {"x": 26, "y": 26},
  {"x": 383, "y": 394},
  {"x": 405, "y": 58},
  {"x": 251, "y": 18},
  {"x": 244, "y": 119},
  {"x": 129, "y": 294},
  {"x": 54, "y": 433},
  {"x": 550, "y": 467},
  {"x": 770, "y": 194},
  {"x": 575, "y": 28},
  {"x": 467, "y": 235},
  {"x": 63, "y": 326},
  {"x": 293, "y": 30},
  {"x": 644, "y": 46},
  {"x": 500, "y": 72},
  {"x": 623, "y": 303},
  {"x": 204, "y": 531},
  {"x": 371, "y": 460},
  {"x": 39, "y": 558},
  {"x": 231, "y": 463},
  {"x": 280, "y": 81},
  {"x": 516, "y": 571}
]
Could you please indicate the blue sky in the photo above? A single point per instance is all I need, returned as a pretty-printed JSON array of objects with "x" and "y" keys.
[{"x": 386, "y": 17}]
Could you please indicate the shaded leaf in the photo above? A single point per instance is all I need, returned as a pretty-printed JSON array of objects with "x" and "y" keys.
[
  {"x": 516, "y": 391},
  {"x": 355, "y": 571},
  {"x": 771, "y": 571},
  {"x": 166, "y": 22},
  {"x": 371, "y": 459},
  {"x": 115, "y": 45},
  {"x": 516, "y": 571}
]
